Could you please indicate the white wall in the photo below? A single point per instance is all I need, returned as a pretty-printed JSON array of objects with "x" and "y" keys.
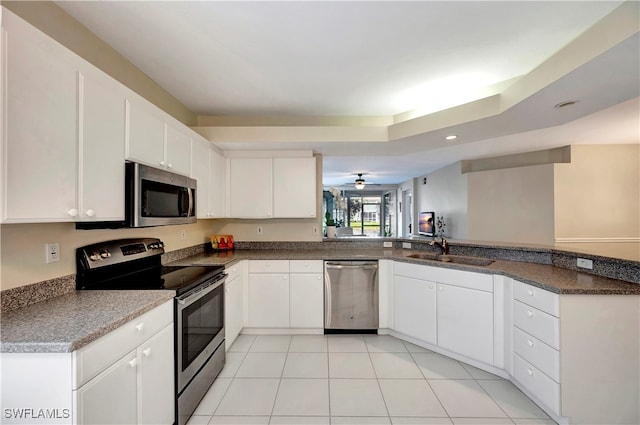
[
  {"x": 445, "y": 193},
  {"x": 512, "y": 205}
]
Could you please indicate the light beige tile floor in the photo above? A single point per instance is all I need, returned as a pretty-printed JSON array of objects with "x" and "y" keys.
[{"x": 356, "y": 379}]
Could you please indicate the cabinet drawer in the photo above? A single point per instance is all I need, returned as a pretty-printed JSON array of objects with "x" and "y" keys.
[
  {"x": 305, "y": 266},
  {"x": 537, "y": 323},
  {"x": 98, "y": 355},
  {"x": 537, "y": 353},
  {"x": 541, "y": 386},
  {"x": 536, "y": 297},
  {"x": 269, "y": 266}
]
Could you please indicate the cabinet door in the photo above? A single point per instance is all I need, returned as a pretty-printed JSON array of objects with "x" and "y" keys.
[
  {"x": 294, "y": 187},
  {"x": 40, "y": 126},
  {"x": 101, "y": 178},
  {"x": 200, "y": 170},
  {"x": 233, "y": 311},
  {"x": 414, "y": 308},
  {"x": 178, "y": 150},
  {"x": 156, "y": 396},
  {"x": 146, "y": 134},
  {"x": 465, "y": 322},
  {"x": 268, "y": 300},
  {"x": 306, "y": 299},
  {"x": 218, "y": 193},
  {"x": 250, "y": 188},
  {"x": 110, "y": 397}
]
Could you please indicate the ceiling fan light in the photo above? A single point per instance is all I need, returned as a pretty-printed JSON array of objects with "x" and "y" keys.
[{"x": 359, "y": 184}]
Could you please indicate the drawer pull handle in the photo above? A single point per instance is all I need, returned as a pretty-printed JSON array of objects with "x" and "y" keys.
[
  {"x": 133, "y": 362},
  {"x": 530, "y": 292},
  {"x": 531, "y": 344},
  {"x": 530, "y": 372},
  {"x": 529, "y": 313},
  {"x": 146, "y": 352},
  {"x": 139, "y": 327}
]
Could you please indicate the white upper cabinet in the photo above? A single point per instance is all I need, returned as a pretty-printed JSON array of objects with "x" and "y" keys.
[
  {"x": 146, "y": 134},
  {"x": 209, "y": 168},
  {"x": 178, "y": 149},
  {"x": 200, "y": 170},
  {"x": 273, "y": 187},
  {"x": 294, "y": 187},
  {"x": 218, "y": 184},
  {"x": 40, "y": 125},
  {"x": 250, "y": 188},
  {"x": 156, "y": 139},
  {"x": 101, "y": 170}
]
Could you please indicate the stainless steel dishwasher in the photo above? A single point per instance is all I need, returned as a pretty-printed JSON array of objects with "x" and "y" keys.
[{"x": 351, "y": 296}]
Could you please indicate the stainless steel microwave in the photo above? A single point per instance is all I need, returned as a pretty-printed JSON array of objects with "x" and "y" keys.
[{"x": 157, "y": 197}]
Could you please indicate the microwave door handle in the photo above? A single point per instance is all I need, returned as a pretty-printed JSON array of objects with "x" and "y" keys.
[
  {"x": 181, "y": 202},
  {"x": 191, "y": 207}
]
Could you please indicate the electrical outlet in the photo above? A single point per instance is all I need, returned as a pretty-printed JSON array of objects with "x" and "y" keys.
[
  {"x": 316, "y": 230},
  {"x": 585, "y": 264},
  {"x": 387, "y": 244},
  {"x": 259, "y": 230},
  {"x": 52, "y": 251},
  {"x": 406, "y": 245},
  {"x": 183, "y": 235}
]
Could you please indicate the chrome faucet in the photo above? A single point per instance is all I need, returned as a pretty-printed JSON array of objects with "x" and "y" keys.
[{"x": 443, "y": 245}]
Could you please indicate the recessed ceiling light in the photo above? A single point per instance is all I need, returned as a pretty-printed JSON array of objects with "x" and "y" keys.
[
  {"x": 451, "y": 137},
  {"x": 565, "y": 103}
]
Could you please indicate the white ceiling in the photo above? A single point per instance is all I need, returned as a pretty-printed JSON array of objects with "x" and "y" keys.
[{"x": 361, "y": 58}]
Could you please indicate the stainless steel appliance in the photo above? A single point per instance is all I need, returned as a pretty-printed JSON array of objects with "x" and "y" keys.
[
  {"x": 157, "y": 197},
  {"x": 351, "y": 296},
  {"x": 198, "y": 306}
]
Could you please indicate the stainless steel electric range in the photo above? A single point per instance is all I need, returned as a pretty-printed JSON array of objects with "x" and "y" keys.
[{"x": 198, "y": 306}]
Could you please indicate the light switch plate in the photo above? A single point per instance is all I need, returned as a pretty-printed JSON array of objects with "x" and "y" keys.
[
  {"x": 387, "y": 244},
  {"x": 406, "y": 245}
]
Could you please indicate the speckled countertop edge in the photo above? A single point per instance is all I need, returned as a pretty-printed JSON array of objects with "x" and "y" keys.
[
  {"x": 69, "y": 322},
  {"x": 554, "y": 279}
]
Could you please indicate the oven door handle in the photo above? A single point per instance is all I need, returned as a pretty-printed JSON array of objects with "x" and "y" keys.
[{"x": 200, "y": 291}]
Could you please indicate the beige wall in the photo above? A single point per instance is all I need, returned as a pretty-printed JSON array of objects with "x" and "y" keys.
[
  {"x": 597, "y": 200},
  {"x": 446, "y": 193},
  {"x": 23, "y": 246},
  {"x": 512, "y": 205},
  {"x": 57, "y": 24}
]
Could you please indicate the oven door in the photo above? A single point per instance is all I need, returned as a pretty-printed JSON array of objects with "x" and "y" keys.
[{"x": 200, "y": 328}]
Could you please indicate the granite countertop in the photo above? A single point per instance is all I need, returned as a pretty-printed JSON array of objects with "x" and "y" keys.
[
  {"x": 66, "y": 323},
  {"x": 554, "y": 279}
]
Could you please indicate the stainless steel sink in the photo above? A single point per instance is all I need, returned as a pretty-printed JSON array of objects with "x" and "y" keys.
[{"x": 456, "y": 259}]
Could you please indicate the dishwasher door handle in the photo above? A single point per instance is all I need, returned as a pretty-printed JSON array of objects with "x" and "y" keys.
[{"x": 369, "y": 266}]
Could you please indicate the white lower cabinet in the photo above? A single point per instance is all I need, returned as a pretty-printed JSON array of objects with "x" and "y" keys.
[
  {"x": 577, "y": 355},
  {"x": 124, "y": 377},
  {"x": 446, "y": 308},
  {"x": 306, "y": 294},
  {"x": 140, "y": 383},
  {"x": 414, "y": 308},
  {"x": 233, "y": 303},
  {"x": 285, "y": 294},
  {"x": 96, "y": 401},
  {"x": 465, "y": 322}
]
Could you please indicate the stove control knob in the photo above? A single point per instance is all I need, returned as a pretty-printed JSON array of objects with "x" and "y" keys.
[
  {"x": 153, "y": 246},
  {"x": 105, "y": 254},
  {"x": 94, "y": 256},
  {"x": 160, "y": 244}
]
